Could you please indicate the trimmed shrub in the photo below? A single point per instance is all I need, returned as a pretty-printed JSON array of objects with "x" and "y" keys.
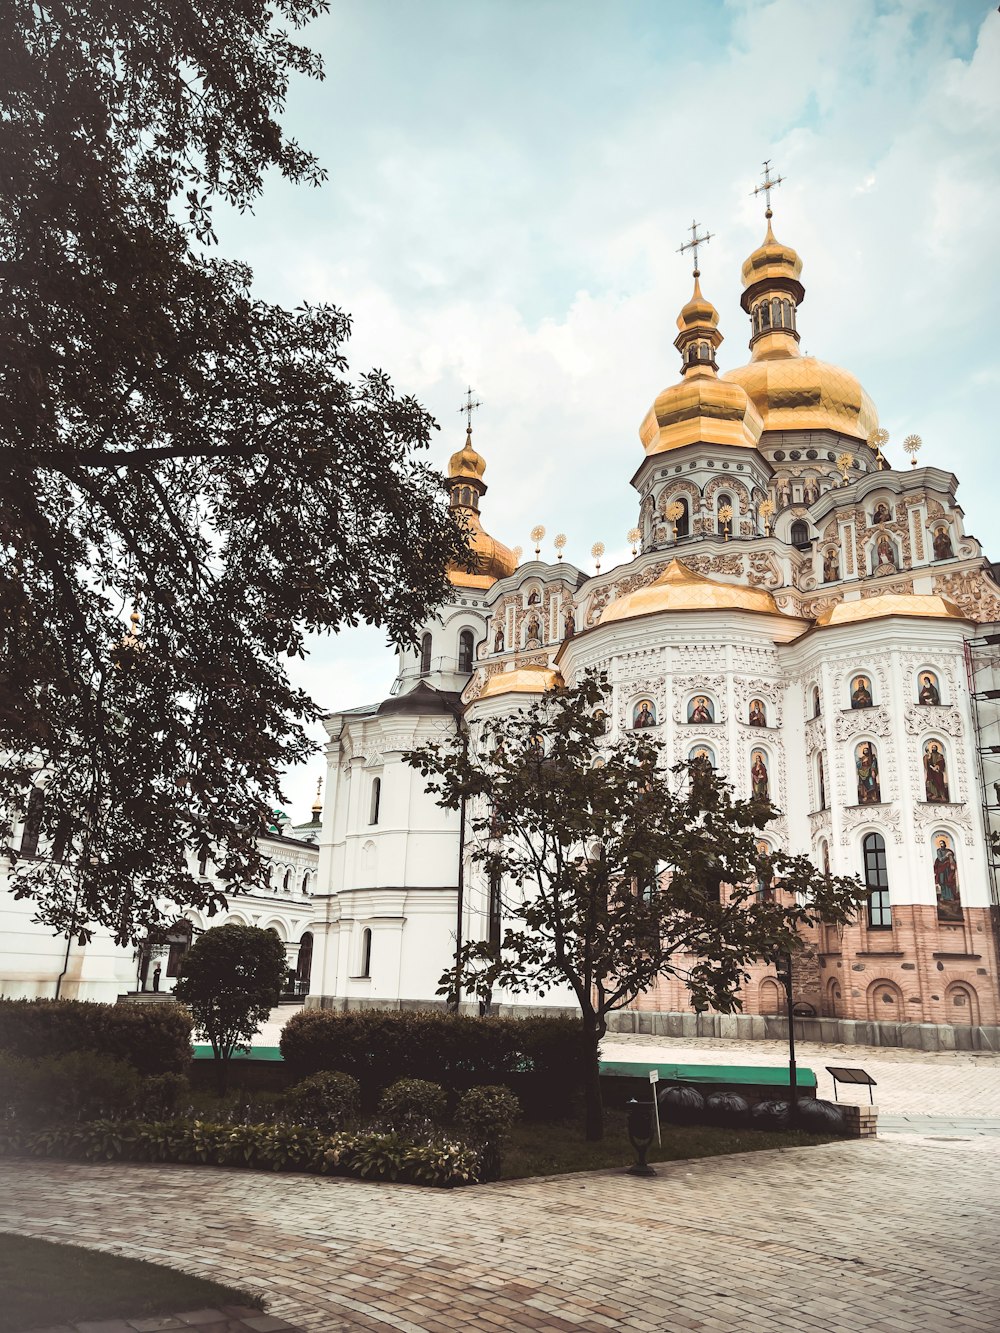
[
  {"x": 443, "y": 1163},
  {"x": 152, "y": 1038},
  {"x": 327, "y": 1101},
  {"x": 412, "y": 1106},
  {"x": 81, "y": 1085},
  {"x": 541, "y": 1059},
  {"x": 485, "y": 1115}
]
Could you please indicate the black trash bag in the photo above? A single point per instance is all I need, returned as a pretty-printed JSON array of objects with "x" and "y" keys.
[
  {"x": 727, "y": 1108},
  {"x": 682, "y": 1106},
  {"x": 771, "y": 1115},
  {"x": 821, "y": 1116}
]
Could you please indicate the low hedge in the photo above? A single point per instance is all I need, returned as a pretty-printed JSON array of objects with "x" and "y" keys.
[
  {"x": 152, "y": 1038},
  {"x": 443, "y": 1162},
  {"x": 541, "y": 1059}
]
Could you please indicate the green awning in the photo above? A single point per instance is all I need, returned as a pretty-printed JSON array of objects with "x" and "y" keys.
[
  {"x": 254, "y": 1053},
  {"x": 757, "y": 1075}
]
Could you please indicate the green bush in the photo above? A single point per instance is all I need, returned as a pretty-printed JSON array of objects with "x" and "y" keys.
[
  {"x": 541, "y": 1059},
  {"x": 327, "y": 1101},
  {"x": 485, "y": 1116},
  {"x": 376, "y": 1156},
  {"x": 81, "y": 1085},
  {"x": 412, "y": 1106},
  {"x": 152, "y": 1038},
  {"x": 161, "y": 1096}
]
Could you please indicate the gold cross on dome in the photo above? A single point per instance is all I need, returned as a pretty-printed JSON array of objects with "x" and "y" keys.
[
  {"x": 693, "y": 244},
  {"x": 468, "y": 407},
  {"x": 768, "y": 184}
]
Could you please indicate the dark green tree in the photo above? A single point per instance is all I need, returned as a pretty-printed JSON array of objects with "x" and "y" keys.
[
  {"x": 230, "y": 979},
  {"x": 170, "y": 442},
  {"x": 617, "y": 868}
]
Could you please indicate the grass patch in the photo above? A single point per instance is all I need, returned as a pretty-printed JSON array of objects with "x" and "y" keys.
[
  {"x": 557, "y": 1147},
  {"x": 45, "y": 1284}
]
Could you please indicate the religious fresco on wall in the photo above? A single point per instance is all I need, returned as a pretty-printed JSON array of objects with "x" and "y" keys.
[
  {"x": 929, "y": 691},
  {"x": 861, "y": 692},
  {"x": 498, "y": 641},
  {"x": 569, "y": 626},
  {"x": 935, "y": 773},
  {"x": 758, "y": 713},
  {"x": 702, "y": 761},
  {"x": 949, "y": 902},
  {"x": 533, "y": 634},
  {"x": 760, "y": 785},
  {"x": 866, "y": 763},
  {"x": 601, "y": 717},
  {"x": 885, "y": 554},
  {"x": 831, "y": 565},
  {"x": 534, "y": 597},
  {"x": 701, "y": 709},
  {"x": 943, "y": 549},
  {"x": 765, "y": 873},
  {"x": 882, "y": 514},
  {"x": 644, "y": 714}
]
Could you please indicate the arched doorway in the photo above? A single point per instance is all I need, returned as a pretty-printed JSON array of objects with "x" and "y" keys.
[
  {"x": 885, "y": 1002},
  {"x": 961, "y": 1005},
  {"x": 771, "y": 998},
  {"x": 303, "y": 967},
  {"x": 834, "y": 1002}
]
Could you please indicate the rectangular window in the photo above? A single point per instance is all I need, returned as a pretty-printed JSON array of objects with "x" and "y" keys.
[{"x": 877, "y": 882}]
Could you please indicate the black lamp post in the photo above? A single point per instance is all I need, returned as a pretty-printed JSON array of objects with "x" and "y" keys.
[
  {"x": 640, "y": 1133},
  {"x": 783, "y": 966}
]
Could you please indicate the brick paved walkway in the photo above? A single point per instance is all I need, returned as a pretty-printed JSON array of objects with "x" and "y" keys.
[
  {"x": 895, "y": 1235},
  {"x": 227, "y": 1319}
]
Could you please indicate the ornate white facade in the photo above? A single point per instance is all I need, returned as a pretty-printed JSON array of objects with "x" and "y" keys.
[{"x": 799, "y": 610}]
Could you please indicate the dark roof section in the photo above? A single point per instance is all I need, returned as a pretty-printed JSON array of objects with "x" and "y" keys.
[{"x": 422, "y": 699}]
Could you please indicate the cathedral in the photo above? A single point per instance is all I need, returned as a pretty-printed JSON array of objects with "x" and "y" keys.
[{"x": 800, "y": 612}]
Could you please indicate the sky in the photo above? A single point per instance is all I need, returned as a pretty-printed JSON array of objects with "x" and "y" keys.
[{"x": 509, "y": 183}]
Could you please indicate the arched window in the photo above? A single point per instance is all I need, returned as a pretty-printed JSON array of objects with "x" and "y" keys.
[
  {"x": 495, "y": 914},
  {"x": 724, "y": 525},
  {"x": 305, "y": 883},
  {"x": 376, "y": 800},
  {"x": 465, "y": 647},
  {"x": 366, "y": 952},
  {"x": 786, "y": 314},
  {"x": 286, "y": 882},
  {"x": 800, "y": 534},
  {"x": 765, "y": 315},
  {"x": 816, "y": 701},
  {"x": 877, "y": 882},
  {"x": 682, "y": 526},
  {"x": 203, "y": 863},
  {"x": 776, "y": 311},
  {"x": 425, "y": 654},
  {"x": 32, "y": 822}
]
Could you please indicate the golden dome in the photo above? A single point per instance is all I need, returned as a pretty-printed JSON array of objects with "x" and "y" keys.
[
  {"x": 523, "y": 680},
  {"x": 700, "y": 409},
  {"x": 680, "y": 589},
  {"x": 465, "y": 464},
  {"x": 770, "y": 260},
  {"x": 795, "y": 392},
  {"x": 890, "y": 604}
]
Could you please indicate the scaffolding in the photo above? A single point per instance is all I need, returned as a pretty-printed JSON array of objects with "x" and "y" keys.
[{"x": 982, "y": 659}]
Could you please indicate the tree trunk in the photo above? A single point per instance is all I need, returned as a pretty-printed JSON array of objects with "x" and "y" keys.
[{"x": 592, "y": 1080}]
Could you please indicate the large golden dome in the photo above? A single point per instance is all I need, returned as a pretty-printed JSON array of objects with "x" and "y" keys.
[
  {"x": 531, "y": 679},
  {"x": 796, "y": 392},
  {"x": 788, "y": 390},
  {"x": 679, "y": 588}
]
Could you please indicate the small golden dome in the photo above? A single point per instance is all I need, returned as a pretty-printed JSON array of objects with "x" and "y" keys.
[
  {"x": 680, "y": 589},
  {"x": 770, "y": 260},
  {"x": 699, "y": 311},
  {"x": 466, "y": 464},
  {"x": 890, "y": 604},
  {"x": 795, "y": 392},
  {"x": 532, "y": 679},
  {"x": 701, "y": 409}
]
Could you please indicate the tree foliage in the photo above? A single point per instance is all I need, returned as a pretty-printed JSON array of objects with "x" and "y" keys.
[
  {"x": 230, "y": 979},
  {"x": 169, "y": 441},
  {"x": 617, "y": 868}
]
